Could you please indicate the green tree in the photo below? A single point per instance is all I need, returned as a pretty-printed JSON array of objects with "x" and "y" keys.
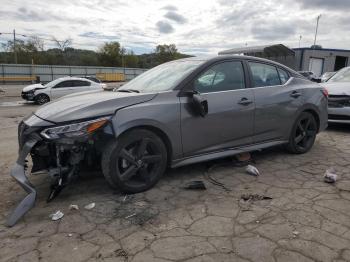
[
  {"x": 131, "y": 60},
  {"x": 165, "y": 53},
  {"x": 110, "y": 54}
]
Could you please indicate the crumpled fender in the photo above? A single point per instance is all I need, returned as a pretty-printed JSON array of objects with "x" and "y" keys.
[{"x": 18, "y": 173}]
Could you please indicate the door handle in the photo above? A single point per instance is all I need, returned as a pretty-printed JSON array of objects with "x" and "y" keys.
[
  {"x": 245, "y": 101},
  {"x": 295, "y": 94}
]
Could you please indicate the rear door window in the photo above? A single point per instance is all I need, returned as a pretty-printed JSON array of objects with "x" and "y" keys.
[
  {"x": 78, "y": 83},
  {"x": 284, "y": 76},
  {"x": 264, "y": 75},
  {"x": 64, "y": 84}
]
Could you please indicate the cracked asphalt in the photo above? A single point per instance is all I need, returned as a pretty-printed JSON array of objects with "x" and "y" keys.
[{"x": 306, "y": 219}]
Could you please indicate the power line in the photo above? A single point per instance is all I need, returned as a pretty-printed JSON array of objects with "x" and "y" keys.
[{"x": 39, "y": 37}]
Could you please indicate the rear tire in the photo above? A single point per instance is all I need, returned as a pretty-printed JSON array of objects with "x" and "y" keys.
[
  {"x": 42, "y": 99},
  {"x": 303, "y": 134},
  {"x": 135, "y": 162}
]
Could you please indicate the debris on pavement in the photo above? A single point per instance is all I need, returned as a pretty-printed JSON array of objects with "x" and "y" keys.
[
  {"x": 295, "y": 233},
  {"x": 254, "y": 197},
  {"x": 121, "y": 253},
  {"x": 242, "y": 159},
  {"x": 252, "y": 170},
  {"x": 70, "y": 234},
  {"x": 132, "y": 215},
  {"x": 125, "y": 198},
  {"x": 198, "y": 185},
  {"x": 57, "y": 215},
  {"x": 73, "y": 207},
  {"x": 90, "y": 206},
  {"x": 330, "y": 176},
  {"x": 212, "y": 180}
]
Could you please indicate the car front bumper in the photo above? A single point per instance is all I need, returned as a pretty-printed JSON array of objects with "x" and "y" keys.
[
  {"x": 18, "y": 173},
  {"x": 339, "y": 115},
  {"x": 29, "y": 96}
]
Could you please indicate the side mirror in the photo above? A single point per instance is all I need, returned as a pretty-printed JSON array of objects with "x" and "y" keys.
[{"x": 200, "y": 105}]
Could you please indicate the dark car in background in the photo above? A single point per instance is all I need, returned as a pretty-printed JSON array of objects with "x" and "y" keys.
[{"x": 178, "y": 113}]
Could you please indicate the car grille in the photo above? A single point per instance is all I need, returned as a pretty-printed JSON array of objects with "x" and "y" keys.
[{"x": 336, "y": 101}]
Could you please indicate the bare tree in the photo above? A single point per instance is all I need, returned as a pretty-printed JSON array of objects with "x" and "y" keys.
[
  {"x": 62, "y": 44},
  {"x": 36, "y": 43}
]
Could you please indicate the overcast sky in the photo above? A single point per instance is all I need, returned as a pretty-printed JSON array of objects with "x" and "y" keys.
[{"x": 196, "y": 27}]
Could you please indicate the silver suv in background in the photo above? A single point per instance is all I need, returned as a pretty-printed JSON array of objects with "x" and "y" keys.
[{"x": 178, "y": 113}]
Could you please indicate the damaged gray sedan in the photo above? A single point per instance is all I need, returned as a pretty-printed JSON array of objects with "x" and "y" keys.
[{"x": 178, "y": 113}]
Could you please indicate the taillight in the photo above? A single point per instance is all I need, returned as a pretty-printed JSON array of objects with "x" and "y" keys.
[{"x": 325, "y": 92}]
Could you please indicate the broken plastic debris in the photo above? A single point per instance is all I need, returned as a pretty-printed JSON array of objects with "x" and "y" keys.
[
  {"x": 90, "y": 206},
  {"x": 295, "y": 233},
  {"x": 330, "y": 176},
  {"x": 132, "y": 215},
  {"x": 254, "y": 197},
  {"x": 73, "y": 207},
  {"x": 57, "y": 215},
  {"x": 252, "y": 170},
  {"x": 199, "y": 185}
]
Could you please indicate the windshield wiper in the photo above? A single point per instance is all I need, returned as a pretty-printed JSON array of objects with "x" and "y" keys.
[{"x": 128, "y": 90}]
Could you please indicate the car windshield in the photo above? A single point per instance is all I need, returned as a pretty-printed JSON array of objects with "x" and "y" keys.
[
  {"x": 53, "y": 83},
  {"x": 161, "y": 78},
  {"x": 341, "y": 76}
]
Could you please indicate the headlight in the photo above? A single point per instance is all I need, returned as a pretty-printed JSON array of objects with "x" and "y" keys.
[{"x": 75, "y": 129}]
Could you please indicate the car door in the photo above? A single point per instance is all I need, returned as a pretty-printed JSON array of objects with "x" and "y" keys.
[
  {"x": 276, "y": 101},
  {"x": 229, "y": 122},
  {"x": 80, "y": 86},
  {"x": 61, "y": 89}
]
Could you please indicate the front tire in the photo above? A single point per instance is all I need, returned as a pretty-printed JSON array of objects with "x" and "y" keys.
[
  {"x": 135, "y": 162},
  {"x": 303, "y": 134},
  {"x": 42, "y": 99}
]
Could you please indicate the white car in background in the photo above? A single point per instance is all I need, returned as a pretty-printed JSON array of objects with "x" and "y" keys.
[{"x": 42, "y": 94}]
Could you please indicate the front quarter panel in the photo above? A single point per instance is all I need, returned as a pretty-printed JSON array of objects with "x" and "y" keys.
[{"x": 162, "y": 113}]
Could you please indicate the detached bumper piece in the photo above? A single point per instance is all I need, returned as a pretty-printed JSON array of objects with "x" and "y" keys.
[{"x": 18, "y": 173}]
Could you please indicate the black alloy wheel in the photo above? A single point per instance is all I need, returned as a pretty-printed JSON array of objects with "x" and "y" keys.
[
  {"x": 42, "y": 99},
  {"x": 136, "y": 162},
  {"x": 303, "y": 134}
]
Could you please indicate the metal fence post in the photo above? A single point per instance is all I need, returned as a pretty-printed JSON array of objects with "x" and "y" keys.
[
  {"x": 3, "y": 74},
  {"x": 51, "y": 73}
]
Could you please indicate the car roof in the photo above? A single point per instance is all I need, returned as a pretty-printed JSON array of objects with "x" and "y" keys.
[
  {"x": 242, "y": 57},
  {"x": 218, "y": 58},
  {"x": 73, "y": 78}
]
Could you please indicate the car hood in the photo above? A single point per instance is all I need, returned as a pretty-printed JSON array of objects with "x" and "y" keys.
[
  {"x": 89, "y": 105},
  {"x": 33, "y": 87},
  {"x": 337, "y": 88}
]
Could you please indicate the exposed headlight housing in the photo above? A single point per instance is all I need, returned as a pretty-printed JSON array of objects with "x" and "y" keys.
[{"x": 75, "y": 129}]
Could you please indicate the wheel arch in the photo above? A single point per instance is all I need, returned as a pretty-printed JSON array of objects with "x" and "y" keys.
[{"x": 315, "y": 115}]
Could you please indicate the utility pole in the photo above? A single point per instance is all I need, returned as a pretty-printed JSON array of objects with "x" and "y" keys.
[
  {"x": 14, "y": 46},
  {"x": 300, "y": 40},
  {"x": 318, "y": 18},
  {"x": 314, "y": 45}
]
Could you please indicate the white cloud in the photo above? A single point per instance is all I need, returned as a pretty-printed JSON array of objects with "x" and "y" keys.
[{"x": 196, "y": 27}]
